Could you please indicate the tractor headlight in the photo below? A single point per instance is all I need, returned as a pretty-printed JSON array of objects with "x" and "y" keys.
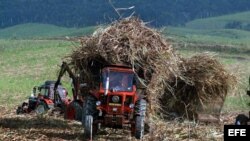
[
  {"x": 131, "y": 106},
  {"x": 115, "y": 99},
  {"x": 98, "y": 103}
]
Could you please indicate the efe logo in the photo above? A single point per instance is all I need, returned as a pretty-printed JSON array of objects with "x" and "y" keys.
[{"x": 236, "y": 132}]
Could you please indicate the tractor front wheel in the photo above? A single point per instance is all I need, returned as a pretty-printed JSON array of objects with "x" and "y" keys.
[
  {"x": 88, "y": 116},
  {"x": 41, "y": 108},
  {"x": 241, "y": 119}
]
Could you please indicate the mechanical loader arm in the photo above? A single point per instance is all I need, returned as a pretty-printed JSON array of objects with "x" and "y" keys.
[{"x": 75, "y": 81}]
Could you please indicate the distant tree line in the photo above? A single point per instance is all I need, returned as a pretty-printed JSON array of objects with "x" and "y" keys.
[
  {"x": 79, "y": 13},
  {"x": 237, "y": 25}
]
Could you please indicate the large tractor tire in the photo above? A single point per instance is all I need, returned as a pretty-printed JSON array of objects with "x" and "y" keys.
[
  {"x": 41, "y": 108},
  {"x": 88, "y": 129},
  {"x": 73, "y": 111},
  {"x": 88, "y": 116},
  {"x": 241, "y": 119},
  {"x": 140, "y": 109},
  {"x": 23, "y": 108}
]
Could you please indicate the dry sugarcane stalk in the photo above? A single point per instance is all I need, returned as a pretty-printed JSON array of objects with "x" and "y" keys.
[{"x": 169, "y": 78}]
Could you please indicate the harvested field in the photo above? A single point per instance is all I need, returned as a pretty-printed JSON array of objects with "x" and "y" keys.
[
  {"x": 32, "y": 127},
  {"x": 46, "y": 128}
]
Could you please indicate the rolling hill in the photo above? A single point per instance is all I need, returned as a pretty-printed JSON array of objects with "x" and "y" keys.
[
  {"x": 235, "y": 21},
  {"x": 33, "y": 30},
  {"x": 230, "y": 29}
]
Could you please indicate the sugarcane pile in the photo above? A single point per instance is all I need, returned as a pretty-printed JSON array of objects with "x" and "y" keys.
[
  {"x": 166, "y": 76},
  {"x": 201, "y": 87},
  {"x": 127, "y": 42}
]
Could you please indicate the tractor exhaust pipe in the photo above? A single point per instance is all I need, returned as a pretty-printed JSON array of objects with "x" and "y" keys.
[{"x": 107, "y": 85}]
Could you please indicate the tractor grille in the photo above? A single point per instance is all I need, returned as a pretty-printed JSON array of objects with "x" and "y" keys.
[
  {"x": 115, "y": 110},
  {"x": 115, "y": 104}
]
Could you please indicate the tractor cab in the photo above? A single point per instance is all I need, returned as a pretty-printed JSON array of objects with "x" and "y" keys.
[
  {"x": 46, "y": 90},
  {"x": 117, "y": 79},
  {"x": 115, "y": 104}
]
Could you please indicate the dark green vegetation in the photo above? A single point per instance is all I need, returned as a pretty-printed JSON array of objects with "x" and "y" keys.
[{"x": 79, "y": 13}]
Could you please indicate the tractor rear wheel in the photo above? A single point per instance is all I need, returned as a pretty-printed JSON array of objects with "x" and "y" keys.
[
  {"x": 41, "y": 108},
  {"x": 73, "y": 111},
  {"x": 241, "y": 119},
  {"x": 140, "y": 109},
  {"x": 88, "y": 116}
]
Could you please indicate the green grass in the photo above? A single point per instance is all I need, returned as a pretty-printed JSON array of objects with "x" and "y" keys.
[
  {"x": 26, "y": 63},
  {"x": 236, "y": 103},
  {"x": 230, "y": 37},
  {"x": 219, "y": 22},
  {"x": 219, "y": 33},
  {"x": 33, "y": 30}
]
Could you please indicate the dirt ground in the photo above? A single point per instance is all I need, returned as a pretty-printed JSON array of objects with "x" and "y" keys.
[{"x": 30, "y": 127}]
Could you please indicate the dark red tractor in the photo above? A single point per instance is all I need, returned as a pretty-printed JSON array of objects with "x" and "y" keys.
[
  {"x": 52, "y": 95},
  {"x": 44, "y": 98},
  {"x": 115, "y": 103},
  {"x": 242, "y": 119}
]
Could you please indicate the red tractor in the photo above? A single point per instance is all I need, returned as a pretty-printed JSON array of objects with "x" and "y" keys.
[
  {"x": 52, "y": 95},
  {"x": 115, "y": 103},
  {"x": 44, "y": 98},
  {"x": 242, "y": 119}
]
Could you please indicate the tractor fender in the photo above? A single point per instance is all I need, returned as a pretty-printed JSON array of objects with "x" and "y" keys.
[
  {"x": 74, "y": 111},
  {"x": 48, "y": 102}
]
